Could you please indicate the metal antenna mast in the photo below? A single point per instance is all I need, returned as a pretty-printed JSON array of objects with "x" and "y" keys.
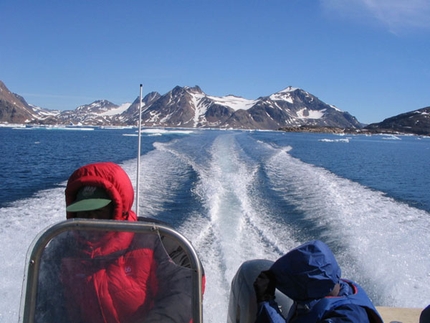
[{"x": 138, "y": 152}]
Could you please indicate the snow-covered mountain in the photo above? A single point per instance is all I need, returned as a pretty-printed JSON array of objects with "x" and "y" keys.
[
  {"x": 192, "y": 108},
  {"x": 100, "y": 112}
]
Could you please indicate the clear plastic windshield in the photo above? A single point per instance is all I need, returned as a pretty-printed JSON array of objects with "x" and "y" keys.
[{"x": 102, "y": 273}]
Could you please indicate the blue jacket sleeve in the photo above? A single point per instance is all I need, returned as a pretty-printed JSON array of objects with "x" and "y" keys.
[
  {"x": 268, "y": 312},
  {"x": 348, "y": 313}
]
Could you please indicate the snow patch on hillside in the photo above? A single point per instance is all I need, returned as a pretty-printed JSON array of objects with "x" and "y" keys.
[
  {"x": 234, "y": 102},
  {"x": 123, "y": 107},
  {"x": 310, "y": 114},
  {"x": 200, "y": 108}
]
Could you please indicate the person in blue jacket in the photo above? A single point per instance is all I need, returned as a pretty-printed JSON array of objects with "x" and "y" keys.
[
  {"x": 425, "y": 315},
  {"x": 310, "y": 275}
]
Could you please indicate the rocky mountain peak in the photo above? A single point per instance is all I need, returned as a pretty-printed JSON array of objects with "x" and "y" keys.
[
  {"x": 12, "y": 98},
  {"x": 417, "y": 122},
  {"x": 96, "y": 106},
  {"x": 13, "y": 107}
]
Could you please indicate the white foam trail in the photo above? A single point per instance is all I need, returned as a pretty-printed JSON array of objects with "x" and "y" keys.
[
  {"x": 230, "y": 233},
  {"x": 223, "y": 187},
  {"x": 19, "y": 225},
  {"x": 385, "y": 242},
  {"x": 160, "y": 173}
]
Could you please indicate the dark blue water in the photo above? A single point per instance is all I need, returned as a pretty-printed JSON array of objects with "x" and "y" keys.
[
  {"x": 397, "y": 166},
  {"x": 239, "y": 196},
  {"x": 33, "y": 159}
]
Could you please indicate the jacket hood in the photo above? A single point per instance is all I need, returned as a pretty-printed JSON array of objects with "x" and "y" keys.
[
  {"x": 307, "y": 272},
  {"x": 113, "y": 179}
]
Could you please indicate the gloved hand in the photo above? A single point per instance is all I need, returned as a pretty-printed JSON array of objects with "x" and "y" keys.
[{"x": 264, "y": 286}]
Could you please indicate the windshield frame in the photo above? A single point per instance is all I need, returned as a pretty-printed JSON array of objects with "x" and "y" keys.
[{"x": 36, "y": 249}]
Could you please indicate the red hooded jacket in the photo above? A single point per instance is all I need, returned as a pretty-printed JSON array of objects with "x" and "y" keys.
[{"x": 120, "y": 277}]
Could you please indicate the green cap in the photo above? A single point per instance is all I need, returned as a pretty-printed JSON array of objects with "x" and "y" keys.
[{"x": 89, "y": 198}]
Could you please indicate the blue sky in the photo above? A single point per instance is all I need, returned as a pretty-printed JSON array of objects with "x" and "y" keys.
[{"x": 368, "y": 57}]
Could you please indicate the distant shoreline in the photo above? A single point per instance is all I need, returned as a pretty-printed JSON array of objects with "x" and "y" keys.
[
  {"x": 335, "y": 130},
  {"x": 310, "y": 129}
]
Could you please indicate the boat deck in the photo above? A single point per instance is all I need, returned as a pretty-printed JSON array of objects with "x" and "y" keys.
[{"x": 397, "y": 314}]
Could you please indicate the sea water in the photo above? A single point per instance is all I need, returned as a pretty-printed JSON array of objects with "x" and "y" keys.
[{"x": 239, "y": 195}]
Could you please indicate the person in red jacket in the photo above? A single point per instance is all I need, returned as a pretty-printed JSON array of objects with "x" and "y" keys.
[{"x": 111, "y": 276}]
